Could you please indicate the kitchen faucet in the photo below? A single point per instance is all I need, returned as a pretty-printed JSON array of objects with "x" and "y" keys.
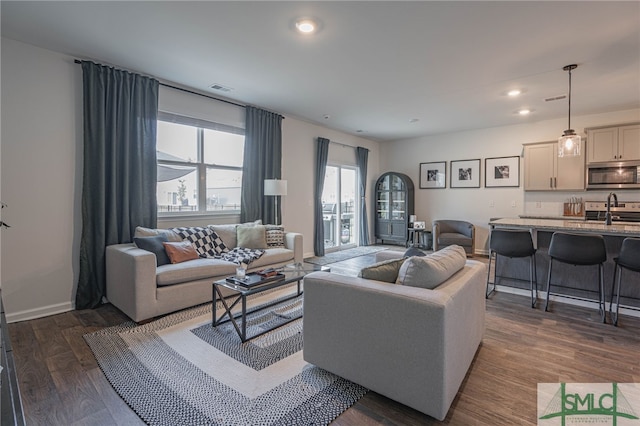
[{"x": 607, "y": 216}]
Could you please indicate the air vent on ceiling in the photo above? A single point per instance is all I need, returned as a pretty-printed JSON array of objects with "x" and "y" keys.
[
  {"x": 555, "y": 98},
  {"x": 220, "y": 88}
]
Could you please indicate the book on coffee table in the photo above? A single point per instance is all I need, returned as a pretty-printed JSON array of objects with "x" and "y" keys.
[{"x": 253, "y": 279}]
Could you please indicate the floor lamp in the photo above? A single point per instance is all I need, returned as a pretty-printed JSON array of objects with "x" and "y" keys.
[{"x": 275, "y": 188}]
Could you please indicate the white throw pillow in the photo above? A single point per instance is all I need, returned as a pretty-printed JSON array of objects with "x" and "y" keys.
[
  {"x": 253, "y": 237},
  {"x": 432, "y": 270},
  {"x": 149, "y": 232},
  {"x": 227, "y": 233}
]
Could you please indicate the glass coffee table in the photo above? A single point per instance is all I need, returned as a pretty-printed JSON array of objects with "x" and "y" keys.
[{"x": 241, "y": 289}]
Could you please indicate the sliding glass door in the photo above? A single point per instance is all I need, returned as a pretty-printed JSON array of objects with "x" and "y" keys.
[{"x": 339, "y": 208}]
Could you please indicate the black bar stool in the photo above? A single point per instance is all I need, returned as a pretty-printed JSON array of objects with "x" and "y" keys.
[
  {"x": 629, "y": 258},
  {"x": 579, "y": 250},
  {"x": 513, "y": 244}
]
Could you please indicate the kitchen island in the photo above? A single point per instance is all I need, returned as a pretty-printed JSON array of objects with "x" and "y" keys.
[
  {"x": 582, "y": 281},
  {"x": 624, "y": 229}
]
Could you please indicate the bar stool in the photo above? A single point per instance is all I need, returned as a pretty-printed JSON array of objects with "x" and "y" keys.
[
  {"x": 629, "y": 258},
  {"x": 513, "y": 244},
  {"x": 579, "y": 250}
]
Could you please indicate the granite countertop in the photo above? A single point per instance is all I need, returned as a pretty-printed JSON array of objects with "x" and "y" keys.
[
  {"x": 557, "y": 217},
  {"x": 571, "y": 225}
]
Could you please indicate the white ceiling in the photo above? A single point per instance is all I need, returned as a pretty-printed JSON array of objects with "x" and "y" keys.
[{"x": 374, "y": 66}]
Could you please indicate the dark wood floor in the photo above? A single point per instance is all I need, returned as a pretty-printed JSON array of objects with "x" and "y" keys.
[{"x": 61, "y": 383}]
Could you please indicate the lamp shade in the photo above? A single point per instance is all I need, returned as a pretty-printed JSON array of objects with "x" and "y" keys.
[
  {"x": 569, "y": 144},
  {"x": 275, "y": 187}
]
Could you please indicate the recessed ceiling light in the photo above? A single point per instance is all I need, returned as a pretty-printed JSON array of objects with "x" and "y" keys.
[
  {"x": 306, "y": 26},
  {"x": 524, "y": 111},
  {"x": 514, "y": 92}
]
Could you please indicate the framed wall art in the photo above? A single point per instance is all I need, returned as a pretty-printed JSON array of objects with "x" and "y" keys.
[
  {"x": 465, "y": 174},
  {"x": 502, "y": 172},
  {"x": 433, "y": 175}
]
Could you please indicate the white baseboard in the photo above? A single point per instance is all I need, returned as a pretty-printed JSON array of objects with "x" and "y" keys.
[
  {"x": 43, "y": 311},
  {"x": 542, "y": 295}
]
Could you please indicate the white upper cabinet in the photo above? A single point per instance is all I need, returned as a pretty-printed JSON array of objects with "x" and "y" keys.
[
  {"x": 629, "y": 142},
  {"x": 618, "y": 143},
  {"x": 545, "y": 171}
]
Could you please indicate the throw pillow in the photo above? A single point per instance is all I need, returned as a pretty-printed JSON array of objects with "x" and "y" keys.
[
  {"x": 253, "y": 237},
  {"x": 275, "y": 236},
  {"x": 432, "y": 270},
  {"x": 180, "y": 252},
  {"x": 155, "y": 246},
  {"x": 414, "y": 251},
  {"x": 141, "y": 231},
  {"x": 227, "y": 234},
  {"x": 386, "y": 271},
  {"x": 206, "y": 242}
]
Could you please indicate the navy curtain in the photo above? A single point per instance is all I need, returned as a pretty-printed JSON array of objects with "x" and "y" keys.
[
  {"x": 262, "y": 160},
  {"x": 119, "y": 177},
  {"x": 322, "y": 155},
  {"x": 362, "y": 155}
]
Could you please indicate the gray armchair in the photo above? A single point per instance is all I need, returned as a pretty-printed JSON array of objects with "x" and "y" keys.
[{"x": 449, "y": 232}]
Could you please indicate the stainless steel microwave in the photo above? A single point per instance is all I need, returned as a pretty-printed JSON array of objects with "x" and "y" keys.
[{"x": 614, "y": 175}]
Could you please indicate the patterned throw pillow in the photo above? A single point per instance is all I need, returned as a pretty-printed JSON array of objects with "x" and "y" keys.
[
  {"x": 275, "y": 236},
  {"x": 206, "y": 242}
]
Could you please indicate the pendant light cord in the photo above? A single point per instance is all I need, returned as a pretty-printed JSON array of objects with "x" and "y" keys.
[
  {"x": 570, "y": 68},
  {"x": 569, "y": 99}
]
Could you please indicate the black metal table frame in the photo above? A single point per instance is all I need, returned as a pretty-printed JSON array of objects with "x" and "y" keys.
[{"x": 231, "y": 301}]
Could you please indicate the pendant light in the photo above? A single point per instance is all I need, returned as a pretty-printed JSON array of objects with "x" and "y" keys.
[{"x": 569, "y": 142}]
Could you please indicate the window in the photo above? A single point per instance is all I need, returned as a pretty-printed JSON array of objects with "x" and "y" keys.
[{"x": 199, "y": 166}]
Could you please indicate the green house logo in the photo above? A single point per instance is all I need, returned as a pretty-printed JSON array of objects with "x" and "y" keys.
[{"x": 592, "y": 403}]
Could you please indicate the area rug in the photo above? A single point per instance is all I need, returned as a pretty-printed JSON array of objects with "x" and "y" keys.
[
  {"x": 338, "y": 256},
  {"x": 179, "y": 370}
]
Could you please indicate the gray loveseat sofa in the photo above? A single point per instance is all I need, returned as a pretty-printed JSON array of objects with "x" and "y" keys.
[
  {"x": 413, "y": 345},
  {"x": 142, "y": 290}
]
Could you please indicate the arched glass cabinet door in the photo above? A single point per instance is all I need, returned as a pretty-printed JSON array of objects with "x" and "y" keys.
[
  {"x": 393, "y": 205},
  {"x": 383, "y": 198}
]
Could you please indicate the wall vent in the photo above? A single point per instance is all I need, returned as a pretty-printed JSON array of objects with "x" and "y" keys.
[
  {"x": 220, "y": 88},
  {"x": 555, "y": 98}
]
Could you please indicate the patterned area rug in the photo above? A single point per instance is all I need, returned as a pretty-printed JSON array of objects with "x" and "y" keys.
[
  {"x": 179, "y": 370},
  {"x": 338, "y": 256}
]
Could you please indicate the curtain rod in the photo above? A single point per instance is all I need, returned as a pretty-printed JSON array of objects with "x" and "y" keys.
[
  {"x": 77, "y": 61},
  {"x": 343, "y": 144}
]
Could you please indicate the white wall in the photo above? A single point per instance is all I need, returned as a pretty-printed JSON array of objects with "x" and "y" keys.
[
  {"x": 41, "y": 179},
  {"x": 41, "y": 176},
  {"x": 478, "y": 205}
]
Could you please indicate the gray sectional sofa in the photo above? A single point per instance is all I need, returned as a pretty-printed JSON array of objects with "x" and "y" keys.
[
  {"x": 411, "y": 344},
  {"x": 143, "y": 290}
]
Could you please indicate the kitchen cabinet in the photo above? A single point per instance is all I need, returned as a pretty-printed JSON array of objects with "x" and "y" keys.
[
  {"x": 613, "y": 143},
  {"x": 545, "y": 171},
  {"x": 394, "y": 205}
]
